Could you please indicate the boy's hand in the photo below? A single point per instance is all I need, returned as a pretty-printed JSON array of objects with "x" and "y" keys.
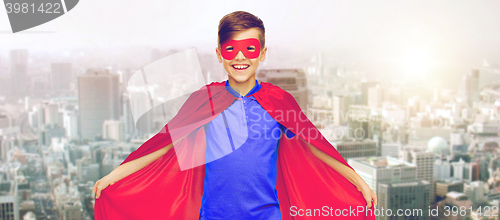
[
  {"x": 369, "y": 195},
  {"x": 101, "y": 185}
]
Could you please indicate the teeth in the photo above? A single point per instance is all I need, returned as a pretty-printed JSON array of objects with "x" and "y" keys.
[{"x": 240, "y": 66}]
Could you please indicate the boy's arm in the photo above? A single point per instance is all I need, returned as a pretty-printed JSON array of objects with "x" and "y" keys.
[
  {"x": 345, "y": 171},
  {"x": 133, "y": 166}
]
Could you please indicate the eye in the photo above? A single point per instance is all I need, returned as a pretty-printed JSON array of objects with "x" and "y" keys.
[
  {"x": 229, "y": 48},
  {"x": 251, "y": 48}
]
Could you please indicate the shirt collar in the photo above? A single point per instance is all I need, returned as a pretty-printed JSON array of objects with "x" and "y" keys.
[{"x": 237, "y": 95}]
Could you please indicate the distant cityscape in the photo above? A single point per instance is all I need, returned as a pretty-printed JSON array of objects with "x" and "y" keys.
[{"x": 64, "y": 127}]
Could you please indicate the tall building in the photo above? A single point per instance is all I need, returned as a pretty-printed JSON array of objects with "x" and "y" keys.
[
  {"x": 445, "y": 186},
  {"x": 19, "y": 71},
  {"x": 424, "y": 161},
  {"x": 391, "y": 149},
  {"x": 3, "y": 149},
  {"x": 87, "y": 171},
  {"x": 412, "y": 195},
  {"x": 356, "y": 148},
  {"x": 475, "y": 191},
  {"x": 293, "y": 81},
  {"x": 340, "y": 109},
  {"x": 99, "y": 100},
  {"x": 9, "y": 204},
  {"x": 70, "y": 121},
  {"x": 73, "y": 210},
  {"x": 459, "y": 171},
  {"x": 52, "y": 114},
  {"x": 364, "y": 90},
  {"x": 365, "y": 122},
  {"x": 128, "y": 118},
  {"x": 472, "y": 87},
  {"x": 442, "y": 170},
  {"x": 376, "y": 170},
  {"x": 60, "y": 76},
  {"x": 113, "y": 130}
]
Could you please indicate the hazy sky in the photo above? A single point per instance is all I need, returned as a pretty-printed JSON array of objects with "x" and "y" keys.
[
  {"x": 439, "y": 33},
  {"x": 373, "y": 24}
]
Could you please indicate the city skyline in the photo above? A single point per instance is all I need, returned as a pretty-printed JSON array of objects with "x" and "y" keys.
[{"x": 407, "y": 92}]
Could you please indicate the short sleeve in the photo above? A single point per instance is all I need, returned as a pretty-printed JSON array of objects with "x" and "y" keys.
[{"x": 288, "y": 133}]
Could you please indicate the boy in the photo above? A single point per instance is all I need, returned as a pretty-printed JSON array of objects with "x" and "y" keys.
[{"x": 252, "y": 171}]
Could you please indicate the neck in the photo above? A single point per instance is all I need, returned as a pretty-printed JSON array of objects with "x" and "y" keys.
[{"x": 242, "y": 87}]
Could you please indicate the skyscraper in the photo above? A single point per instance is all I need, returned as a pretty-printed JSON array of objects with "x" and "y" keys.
[
  {"x": 340, "y": 109},
  {"x": 425, "y": 165},
  {"x": 60, "y": 76},
  {"x": 364, "y": 91},
  {"x": 9, "y": 204},
  {"x": 376, "y": 170},
  {"x": 98, "y": 97},
  {"x": 472, "y": 86},
  {"x": 19, "y": 71},
  {"x": 293, "y": 81},
  {"x": 412, "y": 195}
]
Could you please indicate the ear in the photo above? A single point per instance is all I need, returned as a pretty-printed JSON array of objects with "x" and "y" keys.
[
  {"x": 219, "y": 57},
  {"x": 263, "y": 54}
]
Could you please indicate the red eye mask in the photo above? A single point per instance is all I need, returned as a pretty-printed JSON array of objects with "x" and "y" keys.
[{"x": 250, "y": 48}]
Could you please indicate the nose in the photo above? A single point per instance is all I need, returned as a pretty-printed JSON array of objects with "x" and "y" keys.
[{"x": 240, "y": 55}]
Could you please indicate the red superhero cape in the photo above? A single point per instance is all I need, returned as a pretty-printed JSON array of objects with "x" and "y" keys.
[{"x": 305, "y": 184}]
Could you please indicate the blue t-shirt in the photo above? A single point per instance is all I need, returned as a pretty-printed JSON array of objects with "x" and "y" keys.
[{"x": 242, "y": 149}]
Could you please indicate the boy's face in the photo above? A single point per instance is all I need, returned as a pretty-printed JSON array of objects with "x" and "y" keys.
[{"x": 242, "y": 68}]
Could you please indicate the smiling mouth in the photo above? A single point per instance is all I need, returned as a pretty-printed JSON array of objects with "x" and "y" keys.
[{"x": 240, "y": 66}]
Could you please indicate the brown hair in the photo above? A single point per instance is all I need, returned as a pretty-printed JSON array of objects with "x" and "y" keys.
[{"x": 239, "y": 21}]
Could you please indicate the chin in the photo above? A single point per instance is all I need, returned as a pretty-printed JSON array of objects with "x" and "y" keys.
[{"x": 241, "y": 78}]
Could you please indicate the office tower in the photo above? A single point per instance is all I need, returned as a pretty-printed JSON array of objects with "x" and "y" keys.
[
  {"x": 73, "y": 210},
  {"x": 3, "y": 150},
  {"x": 128, "y": 117},
  {"x": 458, "y": 169},
  {"x": 70, "y": 121},
  {"x": 9, "y": 204},
  {"x": 442, "y": 170},
  {"x": 19, "y": 72},
  {"x": 87, "y": 171},
  {"x": 365, "y": 122},
  {"x": 98, "y": 97},
  {"x": 445, "y": 186},
  {"x": 391, "y": 149},
  {"x": 356, "y": 148},
  {"x": 60, "y": 76},
  {"x": 376, "y": 170},
  {"x": 412, "y": 195},
  {"x": 293, "y": 81},
  {"x": 52, "y": 114},
  {"x": 340, "y": 109},
  {"x": 47, "y": 132},
  {"x": 425, "y": 165},
  {"x": 472, "y": 87},
  {"x": 475, "y": 190},
  {"x": 113, "y": 130},
  {"x": 364, "y": 90}
]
